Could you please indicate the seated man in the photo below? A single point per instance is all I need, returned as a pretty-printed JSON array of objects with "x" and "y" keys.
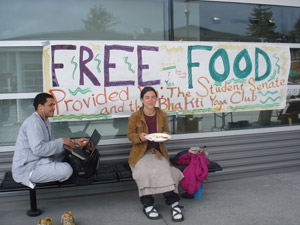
[{"x": 38, "y": 155}]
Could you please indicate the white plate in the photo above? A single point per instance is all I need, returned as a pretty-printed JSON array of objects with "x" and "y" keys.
[{"x": 158, "y": 137}]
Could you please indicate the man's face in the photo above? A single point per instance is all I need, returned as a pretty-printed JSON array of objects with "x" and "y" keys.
[{"x": 48, "y": 108}]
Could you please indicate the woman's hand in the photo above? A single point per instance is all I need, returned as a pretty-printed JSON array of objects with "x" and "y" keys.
[{"x": 142, "y": 137}]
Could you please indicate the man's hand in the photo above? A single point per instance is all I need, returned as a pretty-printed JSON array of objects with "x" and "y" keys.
[
  {"x": 81, "y": 141},
  {"x": 68, "y": 142}
]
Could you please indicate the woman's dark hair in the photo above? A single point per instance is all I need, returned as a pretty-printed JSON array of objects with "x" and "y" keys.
[
  {"x": 41, "y": 98},
  {"x": 146, "y": 89}
]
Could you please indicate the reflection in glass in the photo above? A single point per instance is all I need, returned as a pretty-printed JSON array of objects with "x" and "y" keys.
[
  {"x": 294, "y": 77},
  {"x": 100, "y": 20},
  {"x": 83, "y": 20},
  {"x": 108, "y": 128},
  {"x": 294, "y": 35},
  {"x": 290, "y": 115},
  {"x": 224, "y": 21},
  {"x": 262, "y": 24},
  {"x": 12, "y": 114},
  {"x": 237, "y": 120},
  {"x": 21, "y": 70}
]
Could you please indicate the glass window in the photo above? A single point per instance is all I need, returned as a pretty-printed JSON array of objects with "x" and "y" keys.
[
  {"x": 294, "y": 77},
  {"x": 83, "y": 20},
  {"x": 21, "y": 67},
  {"x": 12, "y": 114},
  {"x": 109, "y": 128},
  {"x": 290, "y": 115},
  {"x": 223, "y": 21},
  {"x": 21, "y": 70}
]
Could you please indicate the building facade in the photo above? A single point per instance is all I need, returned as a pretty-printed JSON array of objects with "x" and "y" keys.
[{"x": 26, "y": 25}]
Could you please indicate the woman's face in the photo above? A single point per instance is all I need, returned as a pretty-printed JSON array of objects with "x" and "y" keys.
[{"x": 149, "y": 100}]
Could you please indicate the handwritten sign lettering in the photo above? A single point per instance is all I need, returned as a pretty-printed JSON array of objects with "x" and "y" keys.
[{"x": 97, "y": 80}]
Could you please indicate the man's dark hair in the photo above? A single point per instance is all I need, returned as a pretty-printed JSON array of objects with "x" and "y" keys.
[
  {"x": 41, "y": 98},
  {"x": 146, "y": 89}
]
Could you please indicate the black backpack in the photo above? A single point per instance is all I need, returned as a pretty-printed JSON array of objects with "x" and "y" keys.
[{"x": 84, "y": 171}]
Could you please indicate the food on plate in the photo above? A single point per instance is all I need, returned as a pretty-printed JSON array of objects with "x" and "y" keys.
[{"x": 158, "y": 137}]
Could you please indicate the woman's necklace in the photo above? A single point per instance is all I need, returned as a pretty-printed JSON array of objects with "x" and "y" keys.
[
  {"x": 150, "y": 114},
  {"x": 150, "y": 119}
]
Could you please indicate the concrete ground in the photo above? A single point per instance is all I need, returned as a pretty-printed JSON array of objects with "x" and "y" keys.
[{"x": 263, "y": 200}]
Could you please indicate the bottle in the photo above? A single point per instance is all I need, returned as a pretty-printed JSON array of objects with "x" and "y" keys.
[{"x": 205, "y": 151}]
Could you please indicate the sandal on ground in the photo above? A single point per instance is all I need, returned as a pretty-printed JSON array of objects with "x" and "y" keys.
[
  {"x": 151, "y": 211},
  {"x": 175, "y": 211}
]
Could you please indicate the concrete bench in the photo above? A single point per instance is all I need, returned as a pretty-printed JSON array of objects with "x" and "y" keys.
[{"x": 107, "y": 173}]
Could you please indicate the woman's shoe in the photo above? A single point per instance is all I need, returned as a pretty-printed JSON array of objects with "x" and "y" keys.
[
  {"x": 151, "y": 212},
  {"x": 176, "y": 213}
]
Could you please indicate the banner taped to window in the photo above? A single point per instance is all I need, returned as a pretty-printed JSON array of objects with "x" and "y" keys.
[{"x": 103, "y": 79}]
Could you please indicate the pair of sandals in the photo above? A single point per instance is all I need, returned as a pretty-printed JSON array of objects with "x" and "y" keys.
[{"x": 175, "y": 211}]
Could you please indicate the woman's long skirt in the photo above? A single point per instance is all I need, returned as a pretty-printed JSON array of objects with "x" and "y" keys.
[{"x": 155, "y": 176}]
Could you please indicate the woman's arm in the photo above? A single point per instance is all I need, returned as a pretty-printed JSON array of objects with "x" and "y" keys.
[{"x": 133, "y": 136}]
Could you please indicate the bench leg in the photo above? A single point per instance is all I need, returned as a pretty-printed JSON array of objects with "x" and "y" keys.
[{"x": 34, "y": 211}]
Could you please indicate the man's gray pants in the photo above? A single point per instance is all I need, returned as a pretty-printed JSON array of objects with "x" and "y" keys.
[{"x": 50, "y": 169}]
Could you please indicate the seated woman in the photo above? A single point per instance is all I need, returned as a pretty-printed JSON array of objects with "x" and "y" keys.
[{"x": 149, "y": 161}]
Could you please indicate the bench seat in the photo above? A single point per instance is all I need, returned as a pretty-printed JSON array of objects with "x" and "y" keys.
[{"x": 107, "y": 173}]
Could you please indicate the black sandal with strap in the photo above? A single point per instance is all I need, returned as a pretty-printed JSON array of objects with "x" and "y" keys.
[
  {"x": 153, "y": 210},
  {"x": 175, "y": 212}
]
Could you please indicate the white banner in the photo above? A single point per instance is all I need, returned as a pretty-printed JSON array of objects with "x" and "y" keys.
[{"x": 103, "y": 79}]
